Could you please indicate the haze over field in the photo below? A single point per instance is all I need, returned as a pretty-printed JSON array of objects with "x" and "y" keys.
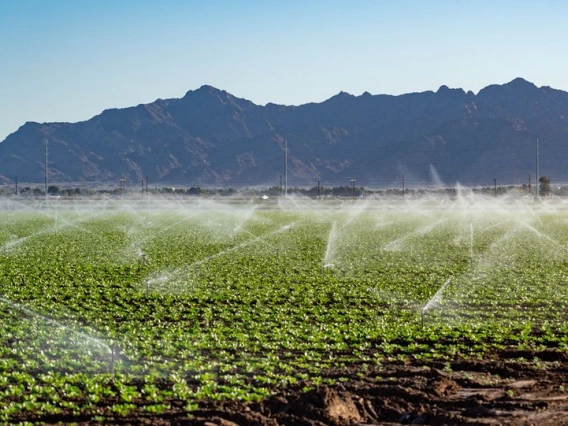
[{"x": 144, "y": 310}]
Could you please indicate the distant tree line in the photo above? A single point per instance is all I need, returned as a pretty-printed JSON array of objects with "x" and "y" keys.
[{"x": 545, "y": 189}]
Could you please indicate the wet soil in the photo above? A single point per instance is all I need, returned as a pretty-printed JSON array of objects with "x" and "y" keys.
[{"x": 510, "y": 388}]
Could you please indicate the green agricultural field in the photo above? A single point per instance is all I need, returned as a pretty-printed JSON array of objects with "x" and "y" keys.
[{"x": 111, "y": 309}]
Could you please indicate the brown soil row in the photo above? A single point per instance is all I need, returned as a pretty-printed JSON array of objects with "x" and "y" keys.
[{"x": 505, "y": 390}]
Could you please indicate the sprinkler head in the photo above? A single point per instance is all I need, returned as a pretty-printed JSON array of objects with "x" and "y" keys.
[{"x": 112, "y": 357}]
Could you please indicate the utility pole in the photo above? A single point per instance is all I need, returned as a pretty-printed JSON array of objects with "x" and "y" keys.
[
  {"x": 318, "y": 189},
  {"x": 495, "y": 186},
  {"x": 122, "y": 185},
  {"x": 142, "y": 185},
  {"x": 537, "y": 170},
  {"x": 281, "y": 190},
  {"x": 286, "y": 169},
  {"x": 46, "y": 169},
  {"x": 529, "y": 183},
  {"x": 352, "y": 188}
]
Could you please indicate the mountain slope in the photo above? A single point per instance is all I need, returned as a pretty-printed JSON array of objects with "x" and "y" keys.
[{"x": 210, "y": 137}]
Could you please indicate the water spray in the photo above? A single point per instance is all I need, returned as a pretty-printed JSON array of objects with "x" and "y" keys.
[
  {"x": 112, "y": 349},
  {"x": 142, "y": 261},
  {"x": 330, "y": 249},
  {"x": 178, "y": 272},
  {"x": 471, "y": 244},
  {"x": 56, "y": 323},
  {"x": 433, "y": 300}
]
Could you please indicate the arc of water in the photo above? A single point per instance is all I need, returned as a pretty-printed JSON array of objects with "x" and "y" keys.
[
  {"x": 48, "y": 320},
  {"x": 167, "y": 227},
  {"x": 471, "y": 244},
  {"x": 261, "y": 240},
  {"x": 329, "y": 250},
  {"x": 137, "y": 245},
  {"x": 248, "y": 215},
  {"x": 435, "y": 299},
  {"x": 59, "y": 225},
  {"x": 354, "y": 213},
  {"x": 436, "y": 179},
  {"x": 493, "y": 226},
  {"x": 382, "y": 225},
  {"x": 180, "y": 271},
  {"x": 546, "y": 237},
  {"x": 484, "y": 265},
  {"x": 424, "y": 229}
]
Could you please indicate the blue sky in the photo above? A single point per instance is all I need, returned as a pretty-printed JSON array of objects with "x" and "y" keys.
[{"x": 67, "y": 60}]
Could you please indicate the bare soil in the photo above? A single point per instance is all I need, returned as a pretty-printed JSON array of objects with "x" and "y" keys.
[{"x": 510, "y": 388}]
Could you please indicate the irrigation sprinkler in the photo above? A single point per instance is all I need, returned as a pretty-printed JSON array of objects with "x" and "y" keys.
[
  {"x": 529, "y": 184},
  {"x": 352, "y": 188},
  {"x": 537, "y": 171},
  {"x": 46, "y": 169},
  {"x": 471, "y": 245},
  {"x": 286, "y": 169},
  {"x": 323, "y": 268},
  {"x": 434, "y": 300},
  {"x": 51, "y": 321},
  {"x": 112, "y": 357}
]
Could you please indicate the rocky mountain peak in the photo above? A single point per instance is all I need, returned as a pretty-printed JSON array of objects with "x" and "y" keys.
[
  {"x": 521, "y": 83},
  {"x": 341, "y": 96}
]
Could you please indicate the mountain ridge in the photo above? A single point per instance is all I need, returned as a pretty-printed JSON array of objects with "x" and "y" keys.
[{"x": 211, "y": 137}]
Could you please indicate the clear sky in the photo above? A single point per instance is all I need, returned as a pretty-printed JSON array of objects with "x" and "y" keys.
[{"x": 67, "y": 60}]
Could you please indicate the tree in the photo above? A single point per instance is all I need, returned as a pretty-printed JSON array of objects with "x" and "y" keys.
[
  {"x": 53, "y": 190},
  {"x": 544, "y": 187}
]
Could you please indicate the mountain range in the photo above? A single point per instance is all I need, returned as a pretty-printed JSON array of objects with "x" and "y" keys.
[{"x": 210, "y": 137}]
